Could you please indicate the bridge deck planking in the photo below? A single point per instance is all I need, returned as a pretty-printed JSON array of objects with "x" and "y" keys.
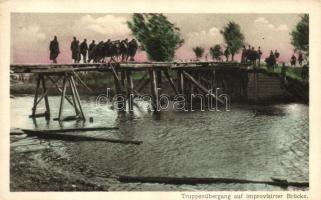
[{"x": 131, "y": 66}]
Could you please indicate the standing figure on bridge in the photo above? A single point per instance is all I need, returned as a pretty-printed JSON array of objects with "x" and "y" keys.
[
  {"x": 83, "y": 50},
  {"x": 227, "y": 53},
  {"x": 243, "y": 56},
  {"x": 132, "y": 48},
  {"x": 293, "y": 60},
  {"x": 253, "y": 56},
  {"x": 74, "y": 50},
  {"x": 300, "y": 58},
  {"x": 277, "y": 55},
  {"x": 123, "y": 47},
  {"x": 90, "y": 50},
  {"x": 78, "y": 52},
  {"x": 54, "y": 50},
  {"x": 270, "y": 61},
  {"x": 259, "y": 54},
  {"x": 248, "y": 52}
]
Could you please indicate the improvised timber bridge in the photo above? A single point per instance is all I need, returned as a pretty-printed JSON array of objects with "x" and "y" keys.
[{"x": 190, "y": 76}]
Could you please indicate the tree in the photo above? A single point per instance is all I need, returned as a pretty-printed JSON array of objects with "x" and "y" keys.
[
  {"x": 199, "y": 51},
  {"x": 233, "y": 37},
  {"x": 157, "y": 36},
  {"x": 216, "y": 52},
  {"x": 300, "y": 35}
]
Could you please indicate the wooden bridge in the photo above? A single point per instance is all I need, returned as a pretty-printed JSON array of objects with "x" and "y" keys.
[{"x": 190, "y": 76}]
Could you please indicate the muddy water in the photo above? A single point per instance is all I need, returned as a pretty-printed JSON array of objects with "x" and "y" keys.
[{"x": 235, "y": 144}]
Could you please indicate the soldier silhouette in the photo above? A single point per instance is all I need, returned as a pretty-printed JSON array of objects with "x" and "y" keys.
[
  {"x": 132, "y": 48},
  {"x": 259, "y": 55},
  {"x": 78, "y": 51},
  {"x": 90, "y": 50},
  {"x": 293, "y": 60},
  {"x": 248, "y": 52},
  {"x": 83, "y": 50},
  {"x": 73, "y": 48},
  {"x": 277, "y": 55},
  {"x": 243, "y": 56},
  {"x": 270, "y": 61},
  {"x": 54, "y": 50},
  {"x": 300, "y": 58},
  {"x": 227, "y": 53}
]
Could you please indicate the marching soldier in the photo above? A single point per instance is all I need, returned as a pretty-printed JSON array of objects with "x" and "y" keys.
[
  {"x": 243, "y": 56},
  {"x": 227, "y": 53},
  {"x": 277, "y": 55},
  {"x": 90, "y": 50},
  {"x": 74, "y": 51},
  {"x": 300, "y": 58},
  {"x": 259, "y": 54},
  {"x": 132, "y": 48},
  {"x": 84, "y": 49},
  {"x": 54, "y": 50},
  {"x": 293, "y": 60}
]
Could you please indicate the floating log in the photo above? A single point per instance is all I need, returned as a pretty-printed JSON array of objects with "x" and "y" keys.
[
  {"x": 16, "y": 131},
  {"x": 68, "y": 118},
  {"x": 70, "y": 130},
  {"x": 194, "y": 181},
  {"x": 37, "y": 115},
  {"x": 57, "y": 136}
]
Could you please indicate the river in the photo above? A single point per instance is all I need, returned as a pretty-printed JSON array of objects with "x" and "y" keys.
[{"x": 234, "y": 144}]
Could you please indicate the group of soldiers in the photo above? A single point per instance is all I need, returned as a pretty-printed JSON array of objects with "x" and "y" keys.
[
  {"x": 250, "y": 55},
  {"x": 272, "y": 60},
  {"x": 117, "y": 50},
  {"x": 294, "y": 59}
]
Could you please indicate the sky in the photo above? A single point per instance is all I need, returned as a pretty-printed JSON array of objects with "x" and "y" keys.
[{"x": 31, "y": 33}]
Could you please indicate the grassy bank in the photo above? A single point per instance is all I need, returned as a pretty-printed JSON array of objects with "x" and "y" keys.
[{"x": 291, "y": 72}]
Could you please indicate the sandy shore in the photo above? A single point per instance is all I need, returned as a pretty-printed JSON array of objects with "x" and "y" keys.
[{"x": 30, "y": 170}]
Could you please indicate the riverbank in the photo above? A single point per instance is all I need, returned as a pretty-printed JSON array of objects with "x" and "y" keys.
[{"x": 30, "y": 171}]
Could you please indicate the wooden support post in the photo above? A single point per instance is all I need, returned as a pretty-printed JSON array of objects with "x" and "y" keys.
[
  {"x": 77, "y": 98},
  {"x": 170, "y": 80},
  {"x": 130, "y": 88},
  {"x": 47, "y": 116},
  {"x": 141, "y": 81},
  {"x": 180, "y": 81},
  {"x": 60, "y": 90},
  {"x": 143, "y": 85},
  {"x": 153, "y": 80},
  {"x": 34, "y": 108},
  {"x": 64, "y": 86},
  {"x": 213, "y": 80},
  {"x": 118, "y": 89},
  {"x": 201, "y": 87},
  {"x": 122, "y": 78},
  {"x": 159, "y": 78},
  {"x": 73, "y": 96}
]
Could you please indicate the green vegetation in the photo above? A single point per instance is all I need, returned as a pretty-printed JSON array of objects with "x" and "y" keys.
[
  {"x": 216, "y": 52},
  {"x": 291, "y": 72},
  {"x": 199, "y": 51},
  {"x": 300, "y": 35},
  {"x": 233, "y": 38},
  {"x": 158, "y": 37}
]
